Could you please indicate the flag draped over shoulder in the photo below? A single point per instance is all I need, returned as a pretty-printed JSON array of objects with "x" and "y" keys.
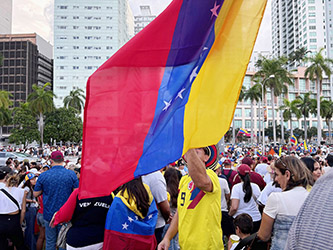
[{"x": 174, "y": 86}]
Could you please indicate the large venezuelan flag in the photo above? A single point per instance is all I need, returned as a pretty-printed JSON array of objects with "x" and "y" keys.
[{"x": 174, "y": 86}]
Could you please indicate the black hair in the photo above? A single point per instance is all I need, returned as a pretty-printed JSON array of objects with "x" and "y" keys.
[
  {"x": 28, "y": 184},
  {"x": 246, "y": 187},
  {"x": 269, "y": 157},
  {"x": 244, "y": 222},
  {"x": 309, "y": 163},
  {"x": 172, "y": 179},
  {"x": 138, "y": 193}
]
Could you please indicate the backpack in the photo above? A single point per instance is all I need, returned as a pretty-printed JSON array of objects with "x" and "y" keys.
[{"x": 226, "y": 176}]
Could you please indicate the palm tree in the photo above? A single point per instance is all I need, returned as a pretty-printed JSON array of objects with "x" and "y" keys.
[
  {"x": 75, "y": 99},
  {"x": 306, "y": 105},
  {"x": 327, "y": 114},
  {"x": 5, "y": 118},
  {"x": 5, "y": 102},
  {"x": 254, "y": 95},
  {"x": 41, "y": 101},
  {"x": 274, "y": 76},
  {"x": 289, "y": 108},
  {"x": 298, "y": 55},
  {"x": 319, "y": 66}
]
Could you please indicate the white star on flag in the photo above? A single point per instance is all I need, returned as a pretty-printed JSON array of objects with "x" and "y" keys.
[
  {"x": 150, "y": 216},
  {"x": 203, "y": 50},
  {"x": 194, "y": 73},
  {"x": 179, "y": 95},
  {"x": 130, "y": 219},
  {"x": 125, "y": 226},
  {"x": 136, "y": 217},
  {"x": 167, "y": 105}
]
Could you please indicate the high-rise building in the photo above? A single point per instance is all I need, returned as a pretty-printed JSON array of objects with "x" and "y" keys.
[
  {"x": 142, "y": 20},
  {"x": 6, "y": 16},
  {"x": 86, "y": 34},
  {"x": 27, "y": 60},
  {"x": 329, "y": 34},
  {"x": 297, "y": 24}
]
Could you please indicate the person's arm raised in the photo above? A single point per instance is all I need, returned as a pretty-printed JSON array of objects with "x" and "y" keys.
[{"x": 197, "y": 171}]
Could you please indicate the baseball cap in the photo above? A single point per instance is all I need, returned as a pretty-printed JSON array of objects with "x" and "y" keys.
[
  {"x": 247, "y": 160},
  {"x": 57, "y": 155},
  {"x": 227, "y": 162},
  {"x": 212, "y": 160},
  {"x": 29, "y": 176},
  {"x": 243, "y": 169}
]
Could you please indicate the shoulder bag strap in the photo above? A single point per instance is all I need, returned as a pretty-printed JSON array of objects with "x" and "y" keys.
[{"x": 11, "y": 198}]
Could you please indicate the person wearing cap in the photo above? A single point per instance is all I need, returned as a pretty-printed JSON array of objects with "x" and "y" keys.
[
  {"x": 198, "y": 219},
  {"x": 56, "y": 185},
  {"x": 255, "y": 177},
  {"x": 244, "y": 197},
  {"x": 228, "y": 172},
  {"x": 31, "y": 210}
]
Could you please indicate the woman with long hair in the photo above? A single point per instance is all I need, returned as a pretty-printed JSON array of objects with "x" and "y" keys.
[
  {"x": 12, "y": 210},
  {"x": 281, "y": 208},
  {"x": 244, "y": 196},
  {"x": 313, "y": 166},
  {"x": 31, "y": 210},
  {"x": 131, "y": 220}
]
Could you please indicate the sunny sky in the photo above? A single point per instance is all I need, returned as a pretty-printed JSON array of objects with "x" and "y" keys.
[{"x": 31, "y": 16}]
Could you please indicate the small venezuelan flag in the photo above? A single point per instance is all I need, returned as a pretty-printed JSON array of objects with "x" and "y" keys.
[{"x": 293, "y": 139}]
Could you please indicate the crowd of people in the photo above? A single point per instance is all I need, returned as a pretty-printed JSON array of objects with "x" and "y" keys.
[{"x": 236, "y": 199}]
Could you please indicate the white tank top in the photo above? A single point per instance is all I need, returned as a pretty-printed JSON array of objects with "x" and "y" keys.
[{"x": 7, "y": 205}]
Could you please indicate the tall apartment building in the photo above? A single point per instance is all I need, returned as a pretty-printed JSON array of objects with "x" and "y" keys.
[
  {"x": 142, "y": 20},
  {"x": 297, "y": 24},
  {"x": 27, "y": 61},
  {"x": 6, "y": 16},
  {"x": 329, "y": 33},
  {"x": 86, "y": 34}
]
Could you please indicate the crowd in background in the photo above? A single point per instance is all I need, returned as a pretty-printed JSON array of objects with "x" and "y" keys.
[{"x": 261, "y": 197}]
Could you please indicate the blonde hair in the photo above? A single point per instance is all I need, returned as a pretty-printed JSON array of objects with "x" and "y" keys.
[
  {"x": 13, "y": 180},
  {"x": 300, "y": 175}
]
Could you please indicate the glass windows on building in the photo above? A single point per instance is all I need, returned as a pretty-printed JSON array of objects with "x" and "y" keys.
[
  {"x": 292, "y": 96},
  {"x": 302, "y": 85},
  {"x": 247, "y": 82},
  {"x": 238, "y": 112},
  {"x": 312, "y": 86},
  {"x": 314, "y": 124},
  {"x": 248, "y": 112},
  {"x": 247, "y": 124},
  {"x": 295, "y": 124},
  {"x": 238, "y": 123}
]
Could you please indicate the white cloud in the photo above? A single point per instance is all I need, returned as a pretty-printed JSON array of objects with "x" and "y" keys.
[{"x": 33, "y": 16}]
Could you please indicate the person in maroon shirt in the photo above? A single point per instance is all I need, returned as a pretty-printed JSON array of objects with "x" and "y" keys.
[
  {"x": 254, "y": 177},
  {"x": 228, "y": 172}
]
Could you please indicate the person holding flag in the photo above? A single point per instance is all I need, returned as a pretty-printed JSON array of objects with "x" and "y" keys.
[
  {"x": 199, "y": 204},
  {"x": 293, "y": 139}
]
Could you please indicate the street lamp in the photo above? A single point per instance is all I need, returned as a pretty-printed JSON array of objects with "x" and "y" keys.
[{"x": 263, "y": 106}]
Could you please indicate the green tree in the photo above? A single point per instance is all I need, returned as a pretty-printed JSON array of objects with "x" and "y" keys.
[
  {"x": 306, "y": 105},
  {"x": 298, "y": 56},
  {"x": 275, "y": 77},
  {"x": 26, "y": 129},
  {"x": 75, "y": 99},
  {"x": 289, "y": 108},
  {"x": 315, "y": 72},
  {"x": 327, "y": 114},
  {"x": 5, "y": 118},
  {"x": 312, "y": 132},
  {"x": 254, "y": 95},
  {"x": 5, "y": 102},
  {"x": 63, "y": 124},
  {"x": 41, "y": 101}
]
